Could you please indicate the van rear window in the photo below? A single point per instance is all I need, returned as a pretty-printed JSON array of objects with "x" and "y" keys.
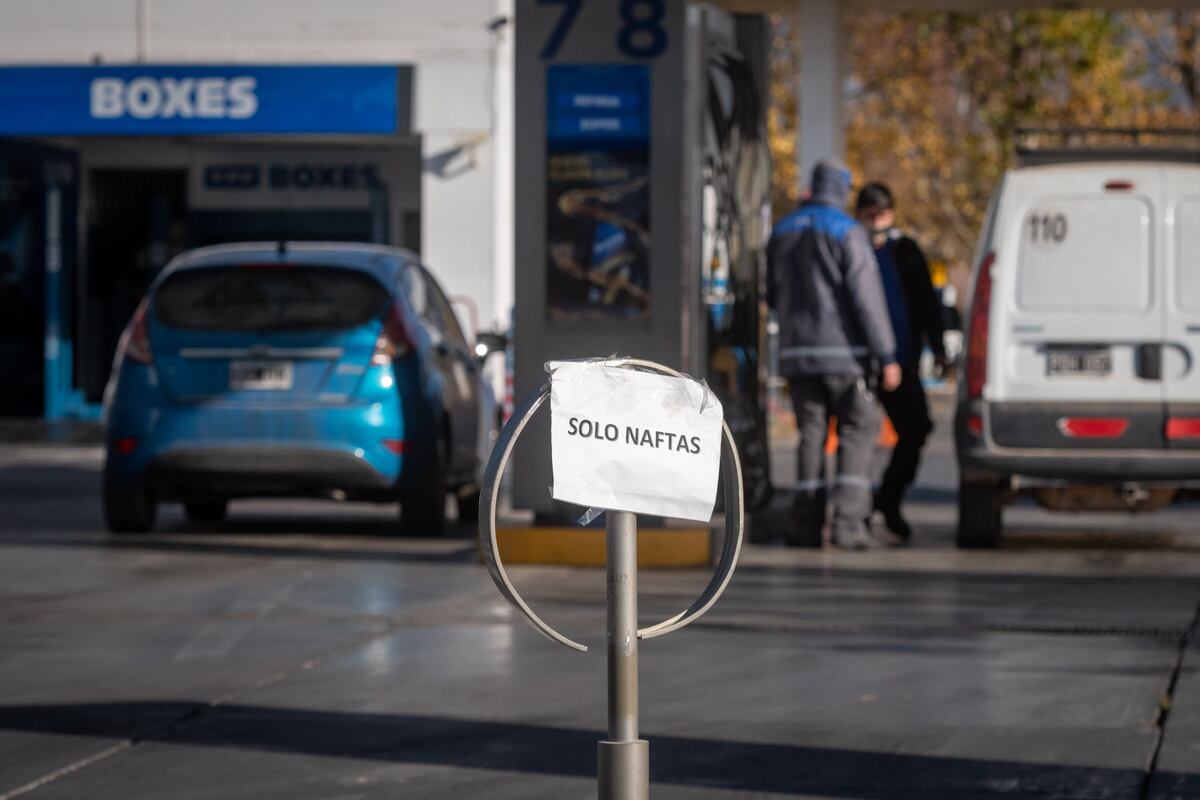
[
  {"x": 1187, "y": 256},
  {"x": 1085, "y": 253},
  {"x": 249, "y": 297}
]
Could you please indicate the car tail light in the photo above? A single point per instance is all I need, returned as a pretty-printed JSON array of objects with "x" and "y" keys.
[
  {"x": 126, "y": 445},
  {"x": 977, "y": 338},
  {"x": 135, "y": 342},
  {"x": 394, "y": 446},
  {"x": 1183, "y": 428},
  {"x": 1119, "y": 186},
  {"x": 1093, "y": 427},
  {"x": 395, "y": 340},
  {"x": 975, "y": 425}
]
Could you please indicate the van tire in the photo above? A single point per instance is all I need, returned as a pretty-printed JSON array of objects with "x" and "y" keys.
[
  {"x": 980, "y": 514},
  {"x": 129, "y": 507}
]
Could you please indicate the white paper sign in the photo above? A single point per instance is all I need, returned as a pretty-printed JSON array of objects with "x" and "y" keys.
[{"x": 634, "y": 441}]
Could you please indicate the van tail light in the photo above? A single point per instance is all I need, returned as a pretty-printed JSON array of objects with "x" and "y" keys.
[
  {"x": 975, "y": 425},
  {"x": 1093, "y": 427},
  {"x": 135, "y": 342},
  {"x": 395, "y": 340},
  {"x": 1183, "y": 428},
  {"x": 977, "y": 336}
]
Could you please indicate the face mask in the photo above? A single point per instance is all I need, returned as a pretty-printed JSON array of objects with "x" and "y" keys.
[{"x": 875, "y": 225}]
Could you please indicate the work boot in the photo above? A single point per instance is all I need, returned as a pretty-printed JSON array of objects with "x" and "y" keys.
[
  {"x": 894, "y": 520},
  {"x": 858, "y": 539},
  {"x": 807, "y": 520},
  {"x": 803, "y": 536}
]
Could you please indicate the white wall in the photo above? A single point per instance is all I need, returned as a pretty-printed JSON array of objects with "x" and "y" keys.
[
  {"x": 448, "y": 42},
  {"x": 386, "y": 31}
]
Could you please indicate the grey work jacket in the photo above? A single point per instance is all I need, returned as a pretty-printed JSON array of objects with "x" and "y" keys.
[{"x": 823, "y": 283}]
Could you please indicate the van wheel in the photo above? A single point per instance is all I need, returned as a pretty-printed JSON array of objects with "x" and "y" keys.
[
  {"x": 129, "y": 507},
  {"x": 423, "y": 505},
  {"x": 205, "y": 510},
  {"x": 980, "y": 518}
]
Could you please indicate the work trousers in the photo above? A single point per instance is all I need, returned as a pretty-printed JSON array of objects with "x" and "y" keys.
[
  {"x": 815, "y": 399},
  {"x": 908, "y": 410}
]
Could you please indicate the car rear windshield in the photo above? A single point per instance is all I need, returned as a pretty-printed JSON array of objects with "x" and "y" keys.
[{"x": 250, "y": 297}]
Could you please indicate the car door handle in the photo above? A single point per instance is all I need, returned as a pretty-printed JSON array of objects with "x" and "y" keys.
[{"x": 1148, "y": 362}]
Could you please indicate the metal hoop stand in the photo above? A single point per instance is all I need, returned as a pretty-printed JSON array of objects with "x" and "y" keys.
[{"x": 624, "y": 759}]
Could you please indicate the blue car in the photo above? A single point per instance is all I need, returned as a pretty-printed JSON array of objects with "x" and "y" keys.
[{"x": 293, "y": 370}]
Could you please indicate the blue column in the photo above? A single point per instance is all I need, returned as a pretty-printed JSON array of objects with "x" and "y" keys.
[{"x": 56, "y": 388}]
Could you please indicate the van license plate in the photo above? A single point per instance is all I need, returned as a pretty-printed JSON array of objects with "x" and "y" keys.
[
  {"x": 1090, "y": 362},
  {"x": 260, "y": 375}
]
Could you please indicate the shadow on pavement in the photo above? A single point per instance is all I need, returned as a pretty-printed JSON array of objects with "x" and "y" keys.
[
  {"x": 464, "y": 552},
  {"x": 64, "y": 500},
  {"x": 477, "y": 744},
  {"x": 29, "y": 483}
]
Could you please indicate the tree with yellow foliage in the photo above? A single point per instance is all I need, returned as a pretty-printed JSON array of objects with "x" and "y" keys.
[{"x": 934, "y": 100}]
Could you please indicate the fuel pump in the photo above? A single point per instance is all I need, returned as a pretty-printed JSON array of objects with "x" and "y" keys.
[
  {"x": 736, "y": 215},
  {"x": 642, "y": 174}
]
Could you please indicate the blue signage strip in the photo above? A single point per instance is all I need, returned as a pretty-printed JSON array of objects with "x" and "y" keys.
[
  {"x": 202, "y": 99},
  {"x": 606, "y": 105}
]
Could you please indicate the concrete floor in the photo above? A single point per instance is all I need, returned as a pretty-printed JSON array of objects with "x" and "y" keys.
[{"x": 300, "y": 651}]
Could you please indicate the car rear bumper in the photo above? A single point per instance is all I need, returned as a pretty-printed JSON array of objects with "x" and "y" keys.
[
  {"x": 254, "y": 471},
  {"x": 980, "y": 454},
  {"x": 260, "y": 449}
]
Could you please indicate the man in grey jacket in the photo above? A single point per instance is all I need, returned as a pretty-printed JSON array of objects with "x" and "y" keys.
[{"x": 836, "y": 340}]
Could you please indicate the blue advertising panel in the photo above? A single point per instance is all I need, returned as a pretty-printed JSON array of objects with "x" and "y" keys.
[
  {"x": 202, "y": 99},
  {"x": 598, "y": 104},
  {"x": 597, "y": 192}
]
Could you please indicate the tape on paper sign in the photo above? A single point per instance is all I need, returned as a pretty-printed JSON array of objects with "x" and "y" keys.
[{"x": 634, "y": 441}]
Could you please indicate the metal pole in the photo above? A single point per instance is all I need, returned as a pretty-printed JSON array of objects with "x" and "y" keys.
[{"x": 624, "y": 759}]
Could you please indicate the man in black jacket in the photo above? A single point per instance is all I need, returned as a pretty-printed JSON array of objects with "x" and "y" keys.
[
  {"x": 916, "y": 315},
  {"x": 824, "y": 285}
]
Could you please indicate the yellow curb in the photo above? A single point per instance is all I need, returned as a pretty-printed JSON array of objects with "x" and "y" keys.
[{"x": 584, "y": 547}]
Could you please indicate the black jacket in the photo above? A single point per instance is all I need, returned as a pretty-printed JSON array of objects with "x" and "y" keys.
[{"x": 926, "y": 324}]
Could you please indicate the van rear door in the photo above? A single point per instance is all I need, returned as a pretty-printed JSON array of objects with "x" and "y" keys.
[
  {"x": 1181, "y": 318},
  {"x": 1081, "y": 320}
]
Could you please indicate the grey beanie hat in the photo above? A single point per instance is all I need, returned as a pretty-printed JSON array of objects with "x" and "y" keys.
[{"x": 831, "y": 182}]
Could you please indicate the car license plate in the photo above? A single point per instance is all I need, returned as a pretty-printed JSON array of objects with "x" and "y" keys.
[
  {"x": 1089, "y": 362},
  {"x": 260, "y": 375}
]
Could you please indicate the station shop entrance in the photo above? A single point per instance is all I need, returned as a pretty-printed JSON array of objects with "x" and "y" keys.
[
  {"x": 136, "y": 221},
  {"x": 142, "y": 202}
]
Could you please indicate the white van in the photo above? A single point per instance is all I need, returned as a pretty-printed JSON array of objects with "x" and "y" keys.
[{"x": 1081, "y": 375}]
